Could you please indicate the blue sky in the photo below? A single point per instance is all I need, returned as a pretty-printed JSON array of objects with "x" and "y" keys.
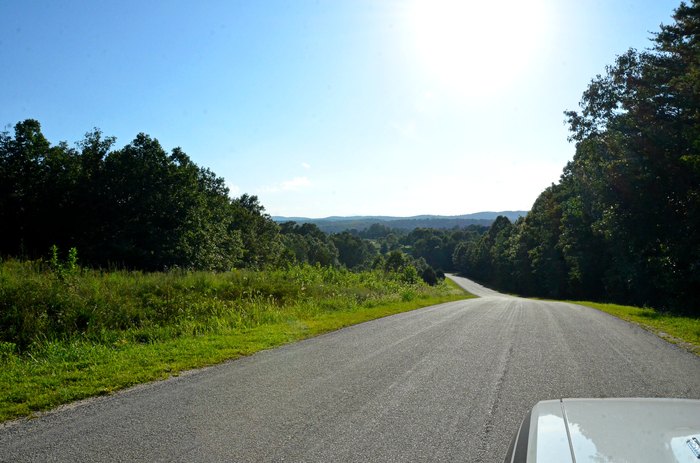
[{"x": 327, "y": 107}]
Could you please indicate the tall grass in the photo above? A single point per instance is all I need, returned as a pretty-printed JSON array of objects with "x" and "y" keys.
[{"x": 39, "y": 305}]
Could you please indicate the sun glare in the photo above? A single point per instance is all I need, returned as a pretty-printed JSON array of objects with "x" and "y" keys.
[{"x": 476, "y": 47}]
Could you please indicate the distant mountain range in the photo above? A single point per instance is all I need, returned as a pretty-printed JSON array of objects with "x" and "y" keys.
[{"x": 337, "y": 224}]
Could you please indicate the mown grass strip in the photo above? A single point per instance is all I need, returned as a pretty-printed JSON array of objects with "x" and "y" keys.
[
  {"x": 677, "y": 329},
  {"x": 60, "y": 372}
]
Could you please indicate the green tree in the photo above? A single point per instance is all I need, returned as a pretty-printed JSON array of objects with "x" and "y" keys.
[
  {"x": 37, "y": 182},
  {"x": 433, "y": 245},
  {"x": 260, "y": 234},
  {"x": 638, "y": 133},
  {"x": 165, "y": 211},
  {"x": 312, "y": 245},
  {"x": 353, "y": 251}
]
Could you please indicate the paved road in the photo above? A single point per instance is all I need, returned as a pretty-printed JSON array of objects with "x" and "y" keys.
[{"x": 446, "y": 383}]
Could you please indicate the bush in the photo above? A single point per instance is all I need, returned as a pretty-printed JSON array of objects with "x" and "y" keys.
[{"x": 429, "y": 276}]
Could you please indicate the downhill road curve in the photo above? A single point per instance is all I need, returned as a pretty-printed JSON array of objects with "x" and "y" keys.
[{"x": 445, "y": 383}]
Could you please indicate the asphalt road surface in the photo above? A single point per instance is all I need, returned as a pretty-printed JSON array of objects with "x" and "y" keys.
[{"x": 446, "y": 383}]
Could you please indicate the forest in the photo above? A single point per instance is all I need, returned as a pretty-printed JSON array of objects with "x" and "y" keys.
[{"x": 623, "y": 223}]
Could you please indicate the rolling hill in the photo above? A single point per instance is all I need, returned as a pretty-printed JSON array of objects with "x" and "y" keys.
[{"x": 336, "y": 224}]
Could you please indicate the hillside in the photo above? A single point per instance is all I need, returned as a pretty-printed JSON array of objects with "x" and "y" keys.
[{"x": 337, "y": 224}]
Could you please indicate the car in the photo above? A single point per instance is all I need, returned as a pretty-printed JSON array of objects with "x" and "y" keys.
[{"x": 609, "y": 430}]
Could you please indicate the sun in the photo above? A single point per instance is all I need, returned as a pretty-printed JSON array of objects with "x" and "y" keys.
[{"x": 476, "y": 47}]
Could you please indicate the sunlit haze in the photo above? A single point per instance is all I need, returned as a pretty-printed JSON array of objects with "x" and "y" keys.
[
  {"x": 475, "y": 49},
  {"x": 327, "y": 107}
]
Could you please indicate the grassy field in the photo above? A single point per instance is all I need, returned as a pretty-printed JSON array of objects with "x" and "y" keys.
[
  {"x": 684, "y": 331},
  {"x": 74, "y": 334}
]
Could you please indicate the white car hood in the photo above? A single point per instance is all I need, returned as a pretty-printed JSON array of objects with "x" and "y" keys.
[{"x": 615, "y": 430}]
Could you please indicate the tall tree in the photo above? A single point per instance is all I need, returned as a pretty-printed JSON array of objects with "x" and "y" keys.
[
  {"x": 353, "y": 251},
  {"x": 137, "y": 207},
  {"x": 624, "y": 221},
  {"x": 260, "y": 234},
  {"x": 36, "y": 187},
  {"x": 639, "y": 131}
]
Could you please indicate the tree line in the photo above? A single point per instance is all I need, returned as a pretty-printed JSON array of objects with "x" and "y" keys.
[
  {"x": 140, "y": 207},
  {"x": 136, "y": 207},
  {"x": 623, "y": 223}
]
